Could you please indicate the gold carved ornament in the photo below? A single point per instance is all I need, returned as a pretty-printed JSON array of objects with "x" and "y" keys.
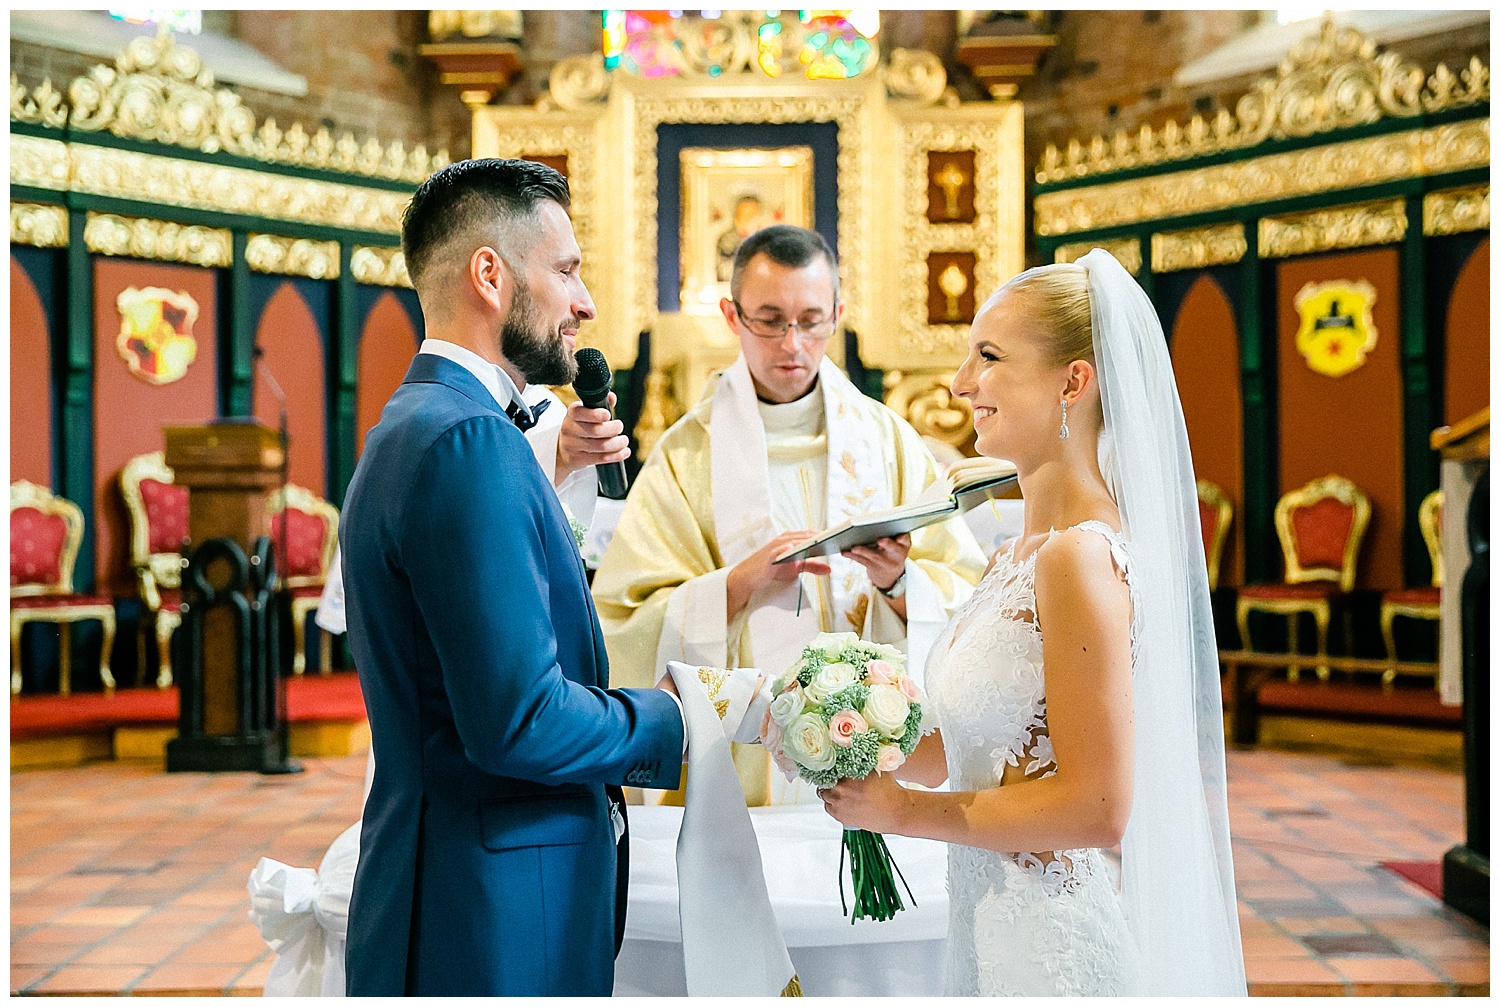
[
  {"x": 442, "y": 24},
  {"x": 270, "y": 253},
  {"x": 659, "y": 410},
  {"x": 41, "y": 224},
  {"x": 1337, "y": 329},
  {"x": 1382, "y": 222},
  {"x": 1126, "y": 250},
  {"x": 1453, "y": 211},
  {"x": 1415, "y": 153},
  {"x": 927, "y": 402},
  {"x": 159, "y": 91},
  {"x": 380, "y": 266},
  {"x": 1330, "y": 80},
  {"x": 1197, "y": 248},
  {"x": 162, "y": 240}
]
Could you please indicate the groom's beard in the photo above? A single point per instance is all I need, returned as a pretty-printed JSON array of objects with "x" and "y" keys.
[{"x": 541, "y": 356}]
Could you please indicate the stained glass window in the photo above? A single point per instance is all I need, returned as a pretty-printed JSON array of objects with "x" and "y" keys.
[
  {"x": 819, "y": 44},
  {"x": 189, "y": 22}
]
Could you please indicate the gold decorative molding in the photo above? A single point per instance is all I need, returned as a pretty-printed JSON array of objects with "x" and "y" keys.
[
  {"x": 1453, "y": 211},
  {"x": 175, "y": 181},
  {"x": 41, "y": 107},
  {"x": 916, "y": 74},
  {"x": 1395, "y": 156},
  {"x": 442, "y": 24},
  {"x": 270, "y": 253},
  {"x": 1381, "y": 222},
  {"x": 927, "y": 402},
  {"x": 41, "y": 224},
  {"x": 1330, "y": 80},
  {"x": 1126, "y": 250},
  {"x": 659, "y": 410},
  {"x": 995, "y": 236},
  {"x": 160, "y": 91},
  {"x": 576, "y": 82},
  {"x": 381, "y": 266},
  {"x": 1197, "y": 248},
  {"x": 163, "y": 240}
]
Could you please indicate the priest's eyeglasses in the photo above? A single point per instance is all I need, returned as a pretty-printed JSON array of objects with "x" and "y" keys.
[{"x": 816, "y": 331}]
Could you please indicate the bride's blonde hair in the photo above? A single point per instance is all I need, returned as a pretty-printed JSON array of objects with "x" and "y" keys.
[{"x": 1060, "y": 295}]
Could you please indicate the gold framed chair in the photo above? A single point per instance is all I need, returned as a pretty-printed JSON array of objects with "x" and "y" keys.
[
  {"x": 1214, "y": 514},
  {"x": 1321, "y": 526},
  {"x": 1417, "y": 602},
  {"x": 158, "y": 510},
  {"x": 311, "y": 527},
  {"x": 45, "y": 534}
]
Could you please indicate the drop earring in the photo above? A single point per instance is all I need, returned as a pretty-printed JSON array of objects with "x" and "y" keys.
[{"x": 1062, "y": 433}]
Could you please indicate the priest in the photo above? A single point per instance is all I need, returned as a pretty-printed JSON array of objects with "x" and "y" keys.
[{"x": 780, "y": 446}]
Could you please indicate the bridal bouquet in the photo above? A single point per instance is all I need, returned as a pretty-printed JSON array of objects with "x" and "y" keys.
[{"x": 846, "y": 709}]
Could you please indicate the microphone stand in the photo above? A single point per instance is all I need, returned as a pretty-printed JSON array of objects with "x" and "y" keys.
[{"x": 286, "y": 764}]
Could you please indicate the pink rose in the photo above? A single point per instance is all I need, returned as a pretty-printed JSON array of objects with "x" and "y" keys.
[
  {"x": 889, "y": 759},
  {"x": 787, "y": 766},
  {"x": 844, "y": 725},
  {"x": 879, "y": 673},
  {"x": 911, "y": 689},
  {"x": 770, "y": 734}
]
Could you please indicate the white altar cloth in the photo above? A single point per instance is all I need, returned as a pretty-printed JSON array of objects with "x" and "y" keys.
[{"x": 799, "y": 847}]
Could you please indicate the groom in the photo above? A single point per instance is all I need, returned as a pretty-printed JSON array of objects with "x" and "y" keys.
[{"x": 488, "y": 853}]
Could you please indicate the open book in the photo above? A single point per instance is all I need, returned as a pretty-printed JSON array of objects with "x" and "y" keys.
[{"x": 964, "y": 486}]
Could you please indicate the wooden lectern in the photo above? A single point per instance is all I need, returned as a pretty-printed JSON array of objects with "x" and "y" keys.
[{"x": 230, "y": 717}]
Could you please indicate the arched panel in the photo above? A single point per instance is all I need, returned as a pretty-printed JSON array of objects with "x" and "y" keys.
[
  {"x": 294, "y": 354},
  {"x": 1206, "y": 359},
  {"x": 386, "y": 346},
  {"x": 1466, "y": 377},
  {"x": 30, "y": 382}
]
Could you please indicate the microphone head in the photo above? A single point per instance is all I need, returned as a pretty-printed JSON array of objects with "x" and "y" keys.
[{"x": 594, "y": 376}]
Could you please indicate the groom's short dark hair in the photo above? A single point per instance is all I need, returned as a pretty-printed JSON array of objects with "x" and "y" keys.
[{"x": 466, "y": 198}]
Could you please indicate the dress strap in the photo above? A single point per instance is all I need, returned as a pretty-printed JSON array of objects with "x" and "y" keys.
[{"x": 1117, "y": 548}]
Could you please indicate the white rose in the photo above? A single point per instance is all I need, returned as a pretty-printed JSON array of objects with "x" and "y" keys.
[
  {"x": 790, "y": 676},
  {"x": 786, "y": 707},
  {"x": 806, "y": 740},
  {"x": 831, "y": 679},
  {"x": 886, "y": 710},
  {"x": 833, "y": 644}
]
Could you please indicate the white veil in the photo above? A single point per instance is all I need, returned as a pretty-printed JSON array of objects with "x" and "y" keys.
[{"x": 1177, "y": 878}]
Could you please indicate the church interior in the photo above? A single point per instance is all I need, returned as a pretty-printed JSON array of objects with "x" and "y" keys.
[{"x": 205, "y": 227}]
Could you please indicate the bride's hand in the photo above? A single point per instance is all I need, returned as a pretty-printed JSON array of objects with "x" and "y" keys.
[{"x": 877, "y": 803}]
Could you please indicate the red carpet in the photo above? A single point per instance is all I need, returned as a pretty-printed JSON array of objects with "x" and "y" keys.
[
  {"x": 1422, "y": 873},
  {"x": 311, "y": 698}
]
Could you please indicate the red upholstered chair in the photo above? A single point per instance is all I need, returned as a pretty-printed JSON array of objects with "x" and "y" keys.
[
  {"x": 1417, "y": 602},
  {"x": 158, "y": 525},
  {"x": 1214, "y": 514},
  {"x": 45, "y": 533},
  {"x": 1321, "y": 527},
  {"x": 311, "y": 526}
]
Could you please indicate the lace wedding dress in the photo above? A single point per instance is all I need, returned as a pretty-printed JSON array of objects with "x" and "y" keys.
[{"x": 1020, "y": 924}]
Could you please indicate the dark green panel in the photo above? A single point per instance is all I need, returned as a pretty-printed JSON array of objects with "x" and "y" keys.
[
  {"x": 1421, "y": 408},
  {"x": 1262, "y": 478},
  {"x": 239, "y": 356},
  {"x": 76, "y": 432},
  {"x": 343, "y": 373}
]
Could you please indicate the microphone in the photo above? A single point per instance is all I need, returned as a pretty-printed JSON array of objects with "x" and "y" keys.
[{"x": 592, "y": 385}]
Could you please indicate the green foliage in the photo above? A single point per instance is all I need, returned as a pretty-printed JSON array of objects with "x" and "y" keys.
[
  {"x": 851, "y": 698},
  {"x": 858, "y": 760},
  {"x": 913, "y": 732}
]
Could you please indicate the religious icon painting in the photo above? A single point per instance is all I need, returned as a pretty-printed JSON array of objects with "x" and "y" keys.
[
  {"x": 728, "y": 195},
  {"x": 1337, "y": 330},
  {"x": 156, "y": 333},
  {"x": 950, "y": 187}
]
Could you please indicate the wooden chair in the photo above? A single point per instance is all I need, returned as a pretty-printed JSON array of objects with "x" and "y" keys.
[
  {"x": 45, "y": 534},
  {"x": 158, "y": 525},
  {"x": 1214, "y": 514},
  {"x": 1417, "y": 602},
  {"x": 311, "y": 526},
  {"x": 1321, "y": 527}
]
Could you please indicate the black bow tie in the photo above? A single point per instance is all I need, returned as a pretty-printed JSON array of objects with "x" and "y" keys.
[{"x": 524, "y": 418}]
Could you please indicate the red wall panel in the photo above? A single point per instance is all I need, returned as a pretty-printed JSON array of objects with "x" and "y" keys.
[
  {"x": 129, "y": 413},
  {"x": 386, "y": 347},
  {"x": 294, "y": 355},
  {"x": 30, "y": 383},
  {"x": 1350, "y": 425},
  {"x": 1466, "y": 377},
  {"x": 1206, "y": 360}
]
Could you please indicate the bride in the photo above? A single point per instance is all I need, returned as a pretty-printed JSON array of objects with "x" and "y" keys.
[{"x": 1077, "y": 693}]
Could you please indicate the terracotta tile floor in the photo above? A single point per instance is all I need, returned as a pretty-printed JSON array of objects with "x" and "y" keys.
[{"x": 127, "y": 880}]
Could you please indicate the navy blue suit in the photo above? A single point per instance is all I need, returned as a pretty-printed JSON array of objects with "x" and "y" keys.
[{"x": 487, "y": 857}]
